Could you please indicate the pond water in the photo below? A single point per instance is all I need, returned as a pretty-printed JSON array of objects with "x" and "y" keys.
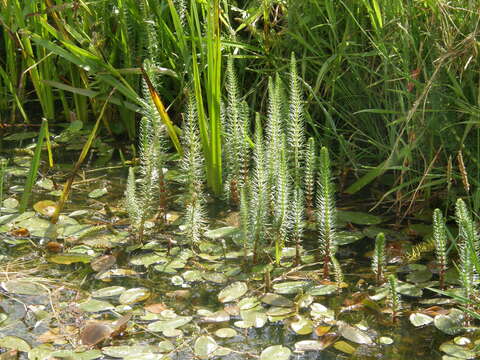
[{"x": 62, "y": 295}]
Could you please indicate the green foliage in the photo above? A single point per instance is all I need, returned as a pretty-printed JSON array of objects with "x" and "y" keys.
[
  {"x": 296, "y": 126},
  {"x": 259, "y": 196},
  {"x": 310, "y": 171},
  {"x": 467, "y": 248},
  {"x": 282, "y": 204},
  {"x": 325, "y": 211},
  {"x": 393, "y": 297},
  {"x": 337, "y": 271},
  {"x": 440, "y": 239},
  {"x": 378, "y": 261},
  {"x": 297, "y": 220},
  {"x": 235, "y": 147},
  {"x": 194, "y": 176}
]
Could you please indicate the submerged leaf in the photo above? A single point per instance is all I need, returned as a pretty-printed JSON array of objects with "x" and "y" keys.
[{"x": 14, "y": 343}]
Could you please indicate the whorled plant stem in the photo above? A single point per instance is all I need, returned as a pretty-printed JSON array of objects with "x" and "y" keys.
[
  {"x": 325, "y": 211},
  {"x": 378, "y": 263},
  {"x": 393, "y": 297},
  {"x": 337, "y": 272},
  {"x": 440, "y": 240},
  {"x": 259, "y": 194},
  {"x": 244, "y": 222},
  {"x": 281, "y": 212},
  {"x": 310, "y": 170},
  {"x": 297, "y": 222}
]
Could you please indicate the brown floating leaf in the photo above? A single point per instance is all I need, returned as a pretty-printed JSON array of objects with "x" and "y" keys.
[
  {"x": 94, "y": 332},
  {"x": 156, "y": 308},
  {"x": 103, "y": 263}
]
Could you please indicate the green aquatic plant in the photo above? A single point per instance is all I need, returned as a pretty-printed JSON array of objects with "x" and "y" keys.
[
  {"x": 310, "y": 171},
  {"x": 274, "y": 138},
  {"x": 295, "y": 126},
  {"x": 337, "y": 272},
  {"x": 325, "y": 211},
  {"x": 297, "y": 220},
  {"x": 282, "y": 205},
  {"x": 141, "y": 201},
  {"x": 378, "y": 261},
  {"x": 393, "y": 298},
  {"x": 259, "y": 196},
  {"x": 3, "y": 168},
  {"x": 440, "y": 239},
  {"x": 193, "y": 170},
  {"x": 244, "y": 222},
  {"x": 235, "y": 147}
]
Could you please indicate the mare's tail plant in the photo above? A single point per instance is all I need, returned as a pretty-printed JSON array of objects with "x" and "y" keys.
[
  {"x": 141, "y": 202},
  {"x": 296, "y": 126},
  {"x": 325, "y": 211},
  {"x": 337, "y": 272},
  {"x": 297, "y": 221},
  {"x": 282, "y": 204},
  {"x": 259, "y": 203},
  {"x": 192, "y": 167},
  {"x": 274, "y": 138},
  {"x": 310, "y": 170},
  {"x": 393, "y": 297},
  {"x": 440, "y": 240},
  {"x": 467, "y": 248},
  {"x": 235, "y": 138},
  {"x": 378, "y": 263},
  {"x": 244, "y": 222}
]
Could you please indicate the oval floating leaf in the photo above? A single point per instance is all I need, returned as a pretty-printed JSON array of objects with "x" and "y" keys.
[
  {"x": 233, "y": 292},
  {"x": 135, "y": 295},
  {"x": 275, "y": 352},
  {"x": 205, "y": 346}
]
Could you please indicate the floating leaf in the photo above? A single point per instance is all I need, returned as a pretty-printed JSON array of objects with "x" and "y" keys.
[
  {"x": 41, "y": 352},
  {"x": 302, "y": 326},
  {"x": 276, "y": 300},
  {"x": 23, "y": 287},
  {"x": 225, "y": 333},
  {"x": 95, "y": 194},
  {"x": 289, "y": 287},
  {"x": 94, "y": 305},
  {"x": 94, "y": 333},
  {"x": 216, "y": 278},
  {"x": 320, "y": 290},
  {"x": 419, "y": 319},
  {"x": 205, "y": 346},
  {"x": 14, "y": 343},
  {"x": 218, "y": 316},
  {"x": 308, "y": 345},
  {"x": 275, "y": 352},
  {"x": 357, "y": 217},
  {"x": 457, "y": 351},
  {"x": 135, "y": 295},
  {"x": 124, "y": 351},
  {"x": 221, "y": 233},
  {"x": 354, "y": 334},
  {"x": 344, "y": 347},
  {"x": 450, "y": 324},
  {"x": 109, "y": 291},
  {"x": 162, "y": 325},
  {"x": 348, "y": 237},
  {"x": 409, "y": 290},
  {"x": 70, "y": 258},
  {"x": 232, "y": 292},
  {"x": 419, "y": 276},
  {"x": 385, "y": 340},
  {"x": 72, "y": 355},
  {"x": 45, "y": 207}
]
